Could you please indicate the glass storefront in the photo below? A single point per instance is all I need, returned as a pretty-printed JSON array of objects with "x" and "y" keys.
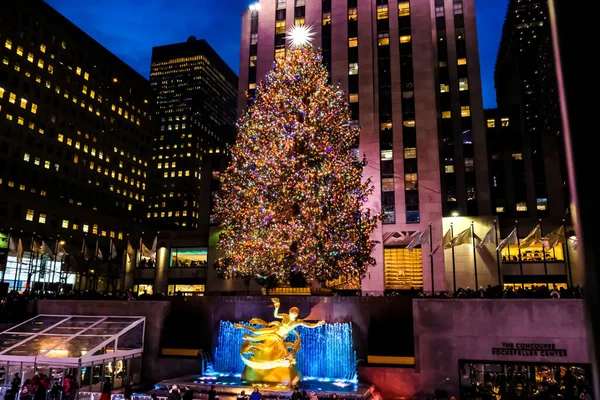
[
  {"x": 41, "y": 270},
  {"x": 189, "y": 257},
  {"x": 142, "y": 289},
  {"x": 186, "y": 290},
  {"x": 511, "y": 381}
]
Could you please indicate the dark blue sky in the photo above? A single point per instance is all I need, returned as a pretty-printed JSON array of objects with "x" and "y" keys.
[{"x": 130, "y": 28}]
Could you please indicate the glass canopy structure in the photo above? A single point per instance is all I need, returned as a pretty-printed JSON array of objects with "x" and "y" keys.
[{"x": 90, "y": 348}]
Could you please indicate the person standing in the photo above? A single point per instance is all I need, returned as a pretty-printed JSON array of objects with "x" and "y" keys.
[
  {"x": 128, "y": 390},
  {"x": 256, "y": 395},
  {"x": 212, "y": 394},
  {"x": 296, "y": 395},
  {"x": 242, "y": 395},
  {"x": 188, "y": 394},
  {"x": 106, "y": 389}
]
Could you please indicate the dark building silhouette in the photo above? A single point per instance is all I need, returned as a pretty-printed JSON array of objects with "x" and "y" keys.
[
  {"x": 536, "y": 178},
  {"x": 195, "y": 113}
]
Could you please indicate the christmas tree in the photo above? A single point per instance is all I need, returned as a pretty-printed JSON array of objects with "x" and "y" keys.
[{"x": 292, "y": 199}]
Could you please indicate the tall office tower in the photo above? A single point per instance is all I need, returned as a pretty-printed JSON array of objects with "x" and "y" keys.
[
  {"x": 75, "y": 130},
  {"x": 526, "y": 91},
  {"x": 195, "y": 109},
  {"x": 411, "y": 72}
]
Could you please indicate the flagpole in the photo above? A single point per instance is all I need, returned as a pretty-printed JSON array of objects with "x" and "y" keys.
[
  {"x": 30, "y": 268},
  {"x": 520, "y": 258},
  {"x": 498, "y": 255},
  {"x": 140, "y": 251},
  {"x": 125, "y": 264},
  {"x": 544, "y": 254},
  {"x": 474, "y": 255},
  {"x": 430, "y": 257},
  {"x": 7, "y": 252},
  {"x": 453, "y": 260},
  {"x": 567, "y": 257},
  {"x": 19, "y": 265},
  {"x": 55, "y": 259}
]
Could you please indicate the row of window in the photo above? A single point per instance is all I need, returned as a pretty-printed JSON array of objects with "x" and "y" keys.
[
  {"x": 50, "y": 68},
  {"x": 41, "y": 219}
]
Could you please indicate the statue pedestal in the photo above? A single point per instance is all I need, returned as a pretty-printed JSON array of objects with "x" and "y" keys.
[{"x": 283, "y": 375}]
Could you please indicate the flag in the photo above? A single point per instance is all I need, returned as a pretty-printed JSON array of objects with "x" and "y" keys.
[
  {"x": 419, "y": 238},
  {"x": 98, "y": 252},
  {"x": 46, "y": 249},
  {"x": 61, "y": 252},
  {"x": 555, "y": 237},
  {"x": 113, "y": 252},
  {"x": 510, "y": 239},
  {"x": 462, "y": 238},
  {"x": 20, "y": 252},
  {"x": 154, "y": 244},
  {"x": 84, "y": 251},
  {"x": 145, "y": 252},
  {"x": 488, "y": 238},
  {"x": 445, "y": 242},
  {"x": 12, "y": 245},
  {"x": 130, "y": 252},
  {"x": 534, "y": 237}
]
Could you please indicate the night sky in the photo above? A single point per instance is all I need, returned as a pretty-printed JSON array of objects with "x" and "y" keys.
[{"x": 130, "y": 28}]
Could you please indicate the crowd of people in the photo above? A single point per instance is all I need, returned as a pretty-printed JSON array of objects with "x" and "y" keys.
[
  {"x": 39, "y": 387},
  {"x": 513, "y": 292}
]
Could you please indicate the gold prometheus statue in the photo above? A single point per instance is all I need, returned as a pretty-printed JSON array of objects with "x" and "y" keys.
[{"x": 267, "y": 356}]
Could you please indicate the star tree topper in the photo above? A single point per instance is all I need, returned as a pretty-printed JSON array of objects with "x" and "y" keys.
[{"x": 300, "y": 35}]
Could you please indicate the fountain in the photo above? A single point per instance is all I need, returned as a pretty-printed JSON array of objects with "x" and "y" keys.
[{"x": 327, "y": 352}]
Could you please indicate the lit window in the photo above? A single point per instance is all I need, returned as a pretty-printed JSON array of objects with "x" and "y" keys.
[
  {"x": 47, "y": 164},
  {"x": 26, "y": 157},
  {"x": 12, "y": 98},
  {"x": 34, "y": 108},
  {"x": 30, "y": 57},
  {"x": 542, "y": 204},
  {"x": 20, "y": 121},
  {"x": 29, "y": 216},
  {"x": 20, "y": 50},
  {"x": 279, "y": 54},
  {"x": 327, "y": 18},
  {"x": 499, "y": 209},
  {"x": 86, "y": 76},
  {"x": 9, "y": 117},
  {"x": 36, "y": 161},
  {"x": 505, "y": 121},
  {"x": 252, "y": 86},
  {"x": 517, "y": 156},
  {"x": 444, "y": 88},
  {"x": 352, "y": 14},
  {"x": 65, "y": 223},
  {"x": 465, "y": 111},
  {"x": 410, "y": 152},
  {"x": 522, "y": 206},
  {"x": 449, "y": 169},
  {"x": 40, "y": 63},
  {"x": 51, "y": 69},
  {"x": 352, "y": 42},
  {"x": 442, "y": 64},
  {"x": 382, "y": 12},
  {"x": 383, "y": 39},
  {"x": 354, "y": 98},
  {"x": 405, "y": 39},
  {"x": 463, "y": 84},
  {"x": 22, "y": 187},
  {"x": 458, "y": 8},
  {"x": 469, "y": 164},
  {"x": 404, "y": 9},
  {"x": 279, "y": 27},
  {"x": 439, "y": 11},
  {"x": 95, "y": 229},
  {"x": 43, "y": 48},
  {"x": 409, "y": 123},
  {"x": 23, "y": 103},
  {"x": 446, "y": 114},
  {"x": 42, "y": 193},
  {"x": 86, "y": 228},
  {"x": 6, "y": 60},
  {"x": 410, "y": 181},
  {"x": 17, "y": 67},
  {"x": 31, "y": 125},
  {"x": 254, "y": 38},
  {"x": 78, "y": 70},
  {"x": 387, "y": 155},
  {"x": 353, "y": 69},
  {"x": 462, "y": 61},
  {"x": 491, "y": 123},
  {"x": 42, "y": 218},
  {"x": 1, "y": 92}
]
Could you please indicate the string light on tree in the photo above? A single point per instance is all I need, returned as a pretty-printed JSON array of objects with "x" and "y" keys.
[
  {"x": 293, "y": 200},
  {"x": 300, "y": 35}
]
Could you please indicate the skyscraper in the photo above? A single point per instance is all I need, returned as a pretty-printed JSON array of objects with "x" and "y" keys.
[
  {"x": 76, "y": 126},
  {"x": 195, "y": 109},
  {"x": 416, "y": 96},
  {"x": 526, "y": 91}
]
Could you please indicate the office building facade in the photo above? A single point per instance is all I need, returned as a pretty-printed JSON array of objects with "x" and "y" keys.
[
  {"x": 195, "y": 113},
  {"x": 75, "y": 132},
  {"x": 411, "y": 72},
  {"x": 526, "y": 91}
]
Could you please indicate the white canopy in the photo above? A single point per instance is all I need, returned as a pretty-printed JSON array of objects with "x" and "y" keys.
[{"x": 72, "y": 340}]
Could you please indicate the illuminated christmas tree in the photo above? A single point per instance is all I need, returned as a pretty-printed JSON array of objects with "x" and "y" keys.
[{"x": 292, "y": 199}]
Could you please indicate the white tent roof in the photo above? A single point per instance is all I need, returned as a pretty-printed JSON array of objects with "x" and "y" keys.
[{"x": 72, "y": 339}]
